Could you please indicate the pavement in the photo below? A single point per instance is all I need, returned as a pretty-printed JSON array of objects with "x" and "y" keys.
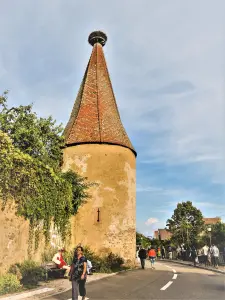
[
  {"x": 51, "y": 288},
  {"x": 169, "y": 280},
  {"x": 220, "y": 269}
]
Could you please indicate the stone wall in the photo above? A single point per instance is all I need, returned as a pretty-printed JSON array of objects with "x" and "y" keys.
[
  {"x": 113, "y": 169},
  {"x": 14, "y": 237}
]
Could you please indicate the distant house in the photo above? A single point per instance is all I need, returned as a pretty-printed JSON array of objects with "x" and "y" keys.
[
  {"x": 163, "y": 234},
  {"x": 212, "y": 221}
]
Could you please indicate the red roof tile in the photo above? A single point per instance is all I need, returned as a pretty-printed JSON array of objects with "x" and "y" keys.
[
  {"x": 211, "y": 221},
  {"x": 95, "y": 117}
]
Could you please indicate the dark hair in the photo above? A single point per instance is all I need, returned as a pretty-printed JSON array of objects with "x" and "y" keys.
[{"x": 81, "y": 248}]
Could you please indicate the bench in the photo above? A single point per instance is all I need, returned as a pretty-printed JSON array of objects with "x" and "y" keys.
[{"x": 51, "y": 270}]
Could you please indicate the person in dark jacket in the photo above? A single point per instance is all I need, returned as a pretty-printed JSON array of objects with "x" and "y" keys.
[
  {"x": 78, "y": 274},
  {"x": 142, "y": 254},
  {"x": 163, "y": 252},
  {"x": 194, "y": 255}
]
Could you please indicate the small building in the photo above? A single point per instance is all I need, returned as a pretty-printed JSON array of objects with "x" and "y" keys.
[
  {"x": 212, "y": 221},
  {"x": 162, "y": 234}
]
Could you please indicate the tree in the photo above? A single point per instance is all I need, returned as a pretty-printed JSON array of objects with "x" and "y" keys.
[
  {"x": 41, "y": 138},
  {"x": 30, "y": 174},
  {"x": 218, "y": 235},
  {"x": 186, "y": 223},
  {"x": 142, "y": 240}
]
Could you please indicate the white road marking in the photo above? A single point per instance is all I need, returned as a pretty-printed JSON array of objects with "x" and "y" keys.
[
  {"x": 174, "y": 271},
  {"x": 166, "y": 286},
  {"x": 29, "y": 294},
  {"x": 174, "y": 276},
  {"x": 169, "y": 267}
]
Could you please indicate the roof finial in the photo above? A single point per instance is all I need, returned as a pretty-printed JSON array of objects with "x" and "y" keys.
[{"x": 97, "y": 37}]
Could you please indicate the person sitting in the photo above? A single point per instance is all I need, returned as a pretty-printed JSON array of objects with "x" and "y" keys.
[{"x": 60, "y": 262}]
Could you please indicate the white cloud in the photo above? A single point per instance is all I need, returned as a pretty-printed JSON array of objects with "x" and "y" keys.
[{"x": 151, "y": 221}]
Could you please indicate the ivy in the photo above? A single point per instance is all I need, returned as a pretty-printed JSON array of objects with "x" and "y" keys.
[{"x": 30, "y": 174}]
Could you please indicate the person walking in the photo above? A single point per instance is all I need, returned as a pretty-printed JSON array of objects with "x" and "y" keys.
[
  {"x": 142, "y": 254},
  {"x": 163, "y": 252},
  {"x": 215, "y": 256},
  {"x": 224, "y": 254},
  {"x": 152, "y": 257},
  {"x": 205, "y": 251},
  {"x": 194, "y": 255},
  {"x": 78, "y": 274},
  {"x": 170, "y": 252},
  {"x": 159, "y": 253}
]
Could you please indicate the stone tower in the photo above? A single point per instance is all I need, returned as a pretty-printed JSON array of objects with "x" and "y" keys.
[{"x": 98, "y": 148}]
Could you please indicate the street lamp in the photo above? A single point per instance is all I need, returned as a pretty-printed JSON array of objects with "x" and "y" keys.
[{"x": 209, "y": 229}]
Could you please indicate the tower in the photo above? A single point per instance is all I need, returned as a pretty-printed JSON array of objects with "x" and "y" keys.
[{"x": 97, "y": 147}]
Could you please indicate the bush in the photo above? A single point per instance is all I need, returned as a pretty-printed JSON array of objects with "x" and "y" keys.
[
  {"x": 114, "y": 261},
  {"x": 9, "y": 284},
  {"x": 15, "y": 270},
  {"x": 48, "y": 254},
  {"x": 102, "y": 264},
  {"x": 68, "y": 256},
  {"x": 30, "y": 271},
  {"x": 106, "y": 264}
]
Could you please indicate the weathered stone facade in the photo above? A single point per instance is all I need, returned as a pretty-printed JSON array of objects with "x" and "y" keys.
[
  {"x": 113, "y": 169},
  {"x": 14, "y": 236}
]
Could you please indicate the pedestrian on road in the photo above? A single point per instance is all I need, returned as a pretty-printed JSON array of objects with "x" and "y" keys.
[
  {"x": 224, "y": 254},
  {"x": 159, "y": 253},
  {"x": 78, "y": 274},
  {"x": 178, "y": 252},
  {"x": 142, "y": 254},
  {"x": 205, "y": 251},
  {"x": 194, "y": 255},
  {"x": 152, "y": 257},
  {"x": 170, "y": 252},
  {"x": 215, "y": 256},
  {"x": 163, "y": 252},
  {"x": 209, "y": 258}
]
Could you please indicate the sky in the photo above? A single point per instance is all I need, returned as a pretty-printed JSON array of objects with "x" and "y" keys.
[{"x": 166, "y": 60}]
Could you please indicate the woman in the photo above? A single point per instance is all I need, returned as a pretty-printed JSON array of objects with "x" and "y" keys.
[
  {"x": 159, "y": 253},
  {"x": 194, "y": 255},
  {"x": 152, "y": 256},
  {"x": 78, "y": 274}
]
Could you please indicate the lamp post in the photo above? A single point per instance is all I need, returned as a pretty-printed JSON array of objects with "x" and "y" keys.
[{"x": 209, "y": 229}]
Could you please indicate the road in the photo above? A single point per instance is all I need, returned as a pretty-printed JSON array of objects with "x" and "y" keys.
[{"x": 167, "y": 281}]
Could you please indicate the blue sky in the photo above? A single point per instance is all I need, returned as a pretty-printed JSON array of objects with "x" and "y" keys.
[{"x": 167, "y": 65}]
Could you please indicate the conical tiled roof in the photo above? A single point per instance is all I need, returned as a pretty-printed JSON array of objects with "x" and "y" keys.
[{"x": 95, "y": 117}]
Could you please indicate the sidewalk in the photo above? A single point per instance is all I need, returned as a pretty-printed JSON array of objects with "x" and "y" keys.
[
  {"x": 53, "y": 287},
  {"x": 221, "y": 269}
]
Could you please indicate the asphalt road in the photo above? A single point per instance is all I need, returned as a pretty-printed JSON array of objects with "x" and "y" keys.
[{"x": 167, "y": 281}]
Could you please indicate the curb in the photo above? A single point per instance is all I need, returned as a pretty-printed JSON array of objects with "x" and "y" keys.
[{"x": 191, "y": 265}]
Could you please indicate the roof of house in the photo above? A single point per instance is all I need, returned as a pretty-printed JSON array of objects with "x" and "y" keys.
[
  {"x": 211, "y": 221},
  {"x": 95, "y": 116}
]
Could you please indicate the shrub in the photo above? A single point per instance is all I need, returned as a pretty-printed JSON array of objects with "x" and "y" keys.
[
  {"x": 48, "y": 254},
  {"x": 14, "y": 269},
  {"x": 30, "y": 271},
  {"x": 68, "y": 256},
  {"x": 102, "y": 264},
  {"x": 9, "y": 284},
  {"x": 114, "y": 261}
]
